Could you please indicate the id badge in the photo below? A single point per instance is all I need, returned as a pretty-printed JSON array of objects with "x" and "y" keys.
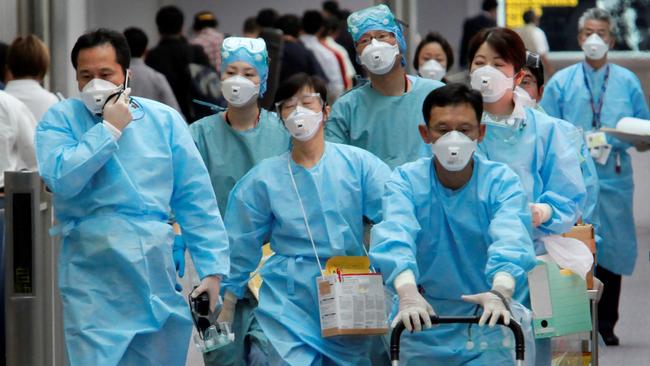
[
  {"x": 600, "y": 154},
  {"x": 595, "y": 139}
]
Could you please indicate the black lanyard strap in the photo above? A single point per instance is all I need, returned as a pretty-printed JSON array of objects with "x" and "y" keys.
[{"x": 596, "y": 108}]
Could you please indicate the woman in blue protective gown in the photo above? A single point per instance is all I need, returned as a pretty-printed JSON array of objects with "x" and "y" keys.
[
  {"x": 533, "y": 144},
  {"x": 338, "y": 185}
]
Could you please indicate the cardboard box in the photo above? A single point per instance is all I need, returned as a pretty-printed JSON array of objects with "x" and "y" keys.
[
  {"x": 585, "y": 233},
  {"x": 352, "y": 304}
]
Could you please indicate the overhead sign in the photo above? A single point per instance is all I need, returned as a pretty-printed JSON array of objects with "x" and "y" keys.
[{"x": 515, "y": 9}]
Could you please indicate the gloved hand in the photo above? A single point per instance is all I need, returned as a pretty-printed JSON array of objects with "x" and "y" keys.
[
  {"x": 227, "y": 314},
  {"x": 211, "y": 285},
  {"x": 116, "y": 111},
  {"x": 178, "y": 253},
  {"x": 412, "y": 306},
  {"x": 541, "y": 213},
  {"x": 494, "y": 307}
]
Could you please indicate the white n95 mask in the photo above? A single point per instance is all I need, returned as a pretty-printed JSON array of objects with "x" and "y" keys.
[
  {"x": 303, "y": 123},
  {"x": 491, "y": 82},
  {"x": 238, "y": 90},
  {"x": 433, "y": 70},
  {"x": 453, "y": 150},
  {"x": 96, "y": 93},
  {"x": 594, "y": 47},
  {"x": 379, "y": 57}
]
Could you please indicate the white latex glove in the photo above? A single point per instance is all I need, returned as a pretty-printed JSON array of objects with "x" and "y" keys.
[
  {"x": 493, "y": 306},
  {"x": 211, "y": 285},
  {"x": 541, "y": 213},
  {"x": 412, "y": 306},
  {"x": 227, "y": 314},
  {"x": 116, "y": 111}
]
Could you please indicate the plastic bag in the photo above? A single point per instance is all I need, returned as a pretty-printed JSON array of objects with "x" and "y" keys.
[
  {"x": 571, "y": 350},
  {"x": 569, "y": 253},
  {"x": 524, "y": 317}
]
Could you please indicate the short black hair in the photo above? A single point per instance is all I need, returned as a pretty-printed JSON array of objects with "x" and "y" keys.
[
  {"x": 332, "y": 7},
  {"x": 266, "y": 17},
  {"x": 250, "y": 25},
  {"x": 489, "y": 5},
  {"x": 536, "y": 67},
  {"x": 450, "y": 95},
  {"x": 312, "y": 21},
  {"x": 169, "y": 20},
  {"x": 137, "y": 40},
  {"x": 289, "y": 24},
  {"x": 4, "y": 50},
  {"x": 100, "y": 37},
  {"x": 204, "y": 19},
  {"x": 529, "y": 16},
  {"x": 437, "y": 38},
  {"x": 292, "y": 85}
]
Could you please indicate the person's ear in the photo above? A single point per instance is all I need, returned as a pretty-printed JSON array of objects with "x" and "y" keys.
[
  {"x": 326, "y": 113},
  {"x": 481, "y": 132},
  {"x": 424, "y": 133},
  {"x": 519, "y": 77}
]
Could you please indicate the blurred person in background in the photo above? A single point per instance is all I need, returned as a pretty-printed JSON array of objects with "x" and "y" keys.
[
  {"x": 3, "y": 59},
  {"x": 206, "y": 35},
  {"x": 433, "y": 57},
  {"x": 27, "y": 62},
  {"x": 535, "y": 39},
  {"x": 296, "y": 58},
  {"x": 330, "y": 32},
  {"x": 487, "y": 18},
  {"x": 250, "y": 28},
  {"x": 145, "y": 81}
]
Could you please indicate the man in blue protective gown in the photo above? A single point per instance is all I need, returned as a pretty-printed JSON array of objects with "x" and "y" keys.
[
  {"x": 458, "y": 226},
  {"x": 117, "y": 166},
  {"x": 594, "y": 94},
  {"x": 381, "y": 116}
]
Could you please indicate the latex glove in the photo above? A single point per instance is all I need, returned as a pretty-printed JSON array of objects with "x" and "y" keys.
[
  {"x": 116, "y": 111},
  {"x": 227, "y": 314},
  {"x": 178, "y": 253},
  {"x": 211, "y": 285},
  {"x": 493, "y": 306},
  {"x": 541, "y": 213},
  {"x": 413, "y": 308}
]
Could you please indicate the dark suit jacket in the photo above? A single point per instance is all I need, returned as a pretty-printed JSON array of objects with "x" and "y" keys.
[{"x": 470, "y": 28}]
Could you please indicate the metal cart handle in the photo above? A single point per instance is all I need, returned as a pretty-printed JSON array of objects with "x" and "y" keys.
[{"x": 435, "y": 320}]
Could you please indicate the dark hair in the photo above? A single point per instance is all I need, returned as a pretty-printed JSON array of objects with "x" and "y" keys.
[
  {"x": 503, "y": 41},
  {"x": 289, "y": 24},
  {"x": 529, "y": 16},
  {"x": 290, "y": 86},
  {"x": 28, "y": 57},
  {"x": 4, "y": 48},
  {"x": 332, "y": 24},
  {"x": 100, "y": 37},
  {"x": 312, "y": 21},
  {"x": 267, "y": 17},
  {"x": 137, "y": 40},
  {"x": 331, "y": 7},
  {"x": 169, "y": 20},
  {"x": 489, "y": 5},
  {"x": 450, "y": 95},
  {"x": 204, "y": 19},
  {"x": 250, "y": 25},
  {"x": 536, "y": 67},
  {"x": 435, "y": 37}
]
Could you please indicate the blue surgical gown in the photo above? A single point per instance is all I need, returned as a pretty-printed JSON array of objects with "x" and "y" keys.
[
  {"x": 344, "y": 187},
  {"x": 566, "y": 97},
  {"x": 387, "y": 126},
  {"x": 229, "y": 154},
  {"x": 454, "y": 241},
  {"x": 112, "y": 199},
  {"x": 542, "y": 156}
]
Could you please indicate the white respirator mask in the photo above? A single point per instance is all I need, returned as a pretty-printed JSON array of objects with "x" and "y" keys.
[
  {"x": 491, "y": 82},
  {"x": 238, "y": 90},
  {"x": 433, "y": 70},
  {"x": 379, "y": 57},
  {"x": 594, "y": 47},
  {"x": 453, "y": 150},
  {"x": 303, "y": 123},
  {"x": 96, "y": 93}
]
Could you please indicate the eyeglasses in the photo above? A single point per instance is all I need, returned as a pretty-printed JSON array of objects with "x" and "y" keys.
[
  {"x": 528, "y": 81},
  {"x": 307, "y": 100},
  {"x": 381, "y": 37}
]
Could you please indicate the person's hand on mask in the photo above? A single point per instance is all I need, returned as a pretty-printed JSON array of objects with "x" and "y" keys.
[{"x": 116, "y": 111}]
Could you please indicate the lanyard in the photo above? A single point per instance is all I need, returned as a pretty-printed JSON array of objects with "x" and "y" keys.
[{"x": 596, "y": 109}]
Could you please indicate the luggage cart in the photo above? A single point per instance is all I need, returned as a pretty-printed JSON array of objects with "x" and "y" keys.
[{"x": 435, "y": 320}]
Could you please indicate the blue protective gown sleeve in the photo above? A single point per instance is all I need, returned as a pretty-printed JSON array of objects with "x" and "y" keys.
[
  {"x": 393, "y": 245},
  {"x": 248, "y": 217},
  {"x": 67, "y": 164},
  {"x": 509, "y": 230},
  {"x": 337, "y": 129},
  {"x": 195, "y": 206},
  {"x": 376, "y": 173},
  {"x": 564, "y": 188},
  {"x": 638, "y": 100}
]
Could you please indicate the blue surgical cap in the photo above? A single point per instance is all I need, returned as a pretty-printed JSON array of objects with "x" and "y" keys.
[
  {"x": 377, "y": 17},
  {"x": 249, "y": 50}
]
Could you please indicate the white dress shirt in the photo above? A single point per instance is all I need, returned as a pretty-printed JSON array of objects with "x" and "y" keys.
[
  {"x": 328, "y": 63},
  {"x": 33, "y": 95},
  {"x": 17, "y": 126}
]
